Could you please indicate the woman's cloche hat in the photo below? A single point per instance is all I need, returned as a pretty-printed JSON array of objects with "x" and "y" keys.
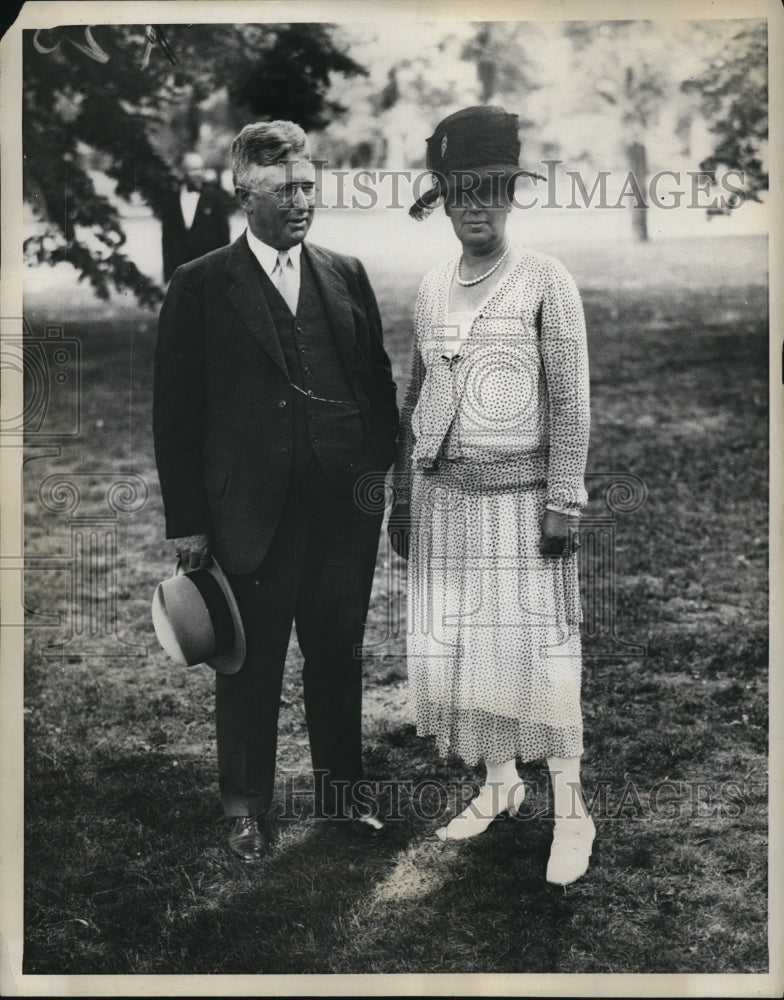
[
  {"x": 196, "y": 619},
  {"x": 479, "y": 138}
]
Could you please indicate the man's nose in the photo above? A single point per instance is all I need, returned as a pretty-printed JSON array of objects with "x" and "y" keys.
[{"x": 299, "y": 200}]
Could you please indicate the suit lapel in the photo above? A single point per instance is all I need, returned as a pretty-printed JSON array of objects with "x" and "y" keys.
[
  {"x": 337, "y": 305},
  {"x": 246, "y": 295}
]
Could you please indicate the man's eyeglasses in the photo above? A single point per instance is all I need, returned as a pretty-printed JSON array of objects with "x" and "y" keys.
[{"x": 286, "y": 193}]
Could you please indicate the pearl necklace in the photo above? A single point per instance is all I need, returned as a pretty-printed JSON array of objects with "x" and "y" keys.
[{"x": 493, "y": 269}]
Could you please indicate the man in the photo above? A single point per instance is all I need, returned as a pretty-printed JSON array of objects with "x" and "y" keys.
[
  {"x": 195, "y": 218},
  {"x": 273, "y": 399}
]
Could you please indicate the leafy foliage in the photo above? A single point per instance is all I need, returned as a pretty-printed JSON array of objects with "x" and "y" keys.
[
  {"x": 734, "y": 93},
  {"x": 641, "y": 71},
  {"x": 498, "y": 51},
  {"x": 291, "y": 80},
  {"x": 108, "y": 103}
]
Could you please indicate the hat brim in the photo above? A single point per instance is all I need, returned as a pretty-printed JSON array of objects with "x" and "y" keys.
[{"x": 427, "y": 201}]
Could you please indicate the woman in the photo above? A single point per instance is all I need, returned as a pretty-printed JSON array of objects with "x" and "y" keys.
[{"x": 489, "y": 477}]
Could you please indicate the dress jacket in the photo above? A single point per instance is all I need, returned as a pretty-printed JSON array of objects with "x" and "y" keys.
[
  {"x": 507, "y": 398},
  {"x": 222, "y": 401},
  {"x": 208, "y": 231}
]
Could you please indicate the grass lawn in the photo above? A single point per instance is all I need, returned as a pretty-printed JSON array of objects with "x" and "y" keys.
[{"x": 125, "y": 863}]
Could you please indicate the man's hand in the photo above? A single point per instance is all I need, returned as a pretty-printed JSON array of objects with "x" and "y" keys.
[
  {"x": 399, "y": 528},
  {"x": 193, "y": 551},
  {"x": 560, "y": 534}
]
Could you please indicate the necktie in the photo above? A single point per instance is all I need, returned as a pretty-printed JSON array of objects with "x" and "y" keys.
[{"x": 285, "y": 280}]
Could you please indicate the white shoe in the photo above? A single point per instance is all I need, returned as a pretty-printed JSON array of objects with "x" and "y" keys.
[
  {"x": 572, "y": 843},
  {"x": 480, "y": 811}
]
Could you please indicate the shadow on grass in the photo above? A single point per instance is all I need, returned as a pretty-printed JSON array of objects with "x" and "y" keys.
[{"x": 139, "y": 881}]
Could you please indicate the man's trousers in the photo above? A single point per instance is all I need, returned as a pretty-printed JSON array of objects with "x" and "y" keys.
[{"x": 318, "y": 573}]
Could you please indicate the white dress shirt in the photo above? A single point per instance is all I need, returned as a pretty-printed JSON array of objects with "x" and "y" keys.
[
  {"x": 188, "y": 203},
  {"x": 267, "y": 256}
]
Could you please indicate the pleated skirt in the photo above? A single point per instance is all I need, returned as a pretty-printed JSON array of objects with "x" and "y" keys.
[{"x": 493, "y": 641}]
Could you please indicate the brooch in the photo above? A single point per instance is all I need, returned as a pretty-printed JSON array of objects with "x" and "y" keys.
[{"x": 451, "y": 362}]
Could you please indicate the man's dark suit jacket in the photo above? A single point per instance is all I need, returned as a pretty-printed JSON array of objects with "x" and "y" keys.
[
  {"x": 209, "y": 230},
  {"x": 222, "y": 413}
]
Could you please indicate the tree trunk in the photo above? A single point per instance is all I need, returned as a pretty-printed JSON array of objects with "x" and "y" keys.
[
  {"x": 638, "y": 165},
  {"x": 486, "y": 71},
  {"x": 192, "y": 122}
]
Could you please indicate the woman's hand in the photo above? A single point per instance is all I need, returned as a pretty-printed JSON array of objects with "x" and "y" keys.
[
  {"x": 399, "y": 528},
  {"x": 560, "y": 534}
]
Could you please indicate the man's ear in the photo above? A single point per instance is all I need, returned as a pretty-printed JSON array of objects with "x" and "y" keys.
[{"x": 242, "y": 196}]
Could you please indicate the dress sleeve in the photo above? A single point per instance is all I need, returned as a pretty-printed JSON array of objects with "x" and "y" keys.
[
  {"x": 405, "y": 447},
  {"x": 565, "y": 358}
]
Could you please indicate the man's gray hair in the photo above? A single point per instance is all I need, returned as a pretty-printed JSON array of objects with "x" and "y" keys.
[{"x": 263, "y": 144}]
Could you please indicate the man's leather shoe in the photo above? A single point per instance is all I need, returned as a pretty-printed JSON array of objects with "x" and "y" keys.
[
  {"x": 249, "y": 840},
  {"x": 362, "y": 827}
]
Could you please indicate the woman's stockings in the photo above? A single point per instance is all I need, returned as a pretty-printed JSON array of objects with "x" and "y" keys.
[
  {"x": 568, "y": 800},
  {"x": 503, "y": 790},
  {"x": 574, "y": 829}
]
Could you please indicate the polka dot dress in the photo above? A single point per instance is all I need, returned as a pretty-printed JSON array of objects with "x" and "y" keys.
[{"x": 495, "y": 426}]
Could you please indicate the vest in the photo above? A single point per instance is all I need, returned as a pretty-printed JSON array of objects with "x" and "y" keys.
[{"x": 326, "y": 418}]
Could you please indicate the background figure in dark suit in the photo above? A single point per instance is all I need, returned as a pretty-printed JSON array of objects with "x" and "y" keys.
[
  {"x": 195, "y": 217},
  {"x": 273, "y": 398}
]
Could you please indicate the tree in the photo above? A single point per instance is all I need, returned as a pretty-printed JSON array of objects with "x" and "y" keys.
[
  {"x": 627, "y": 62},
  {"x": 641, "y": 69},
  {"x": 733, "y": 88},
  {"x": 415, "y": 80},
  {"x": 105, "y": 90},
  {"x": 284, "y": 71},
  {"x": 497, "y": 50}
]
